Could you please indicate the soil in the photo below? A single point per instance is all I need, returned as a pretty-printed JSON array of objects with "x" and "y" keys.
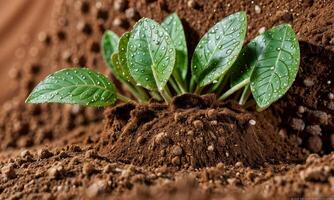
[
  {"x": 193, "y": 132},
  {"x": 197, "y": 148}
]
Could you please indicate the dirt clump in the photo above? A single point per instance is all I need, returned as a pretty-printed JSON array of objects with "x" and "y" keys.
[{"x": 193, "y": 132}]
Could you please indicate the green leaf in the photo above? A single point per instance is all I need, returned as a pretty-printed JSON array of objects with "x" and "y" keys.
[
  {"x": 109, "y": 45},
  {"x": 122, "y": 49},
  {"x": 173, "y": 26},
  {"x": 247, "y": 59},
  {"x": 74, "y": 86},
  {"x": 219, "y": 48},
  {"x": 118, "y": 69},
  {"x": 277, "y": 66},
  {"x": 151, "y": 55}
]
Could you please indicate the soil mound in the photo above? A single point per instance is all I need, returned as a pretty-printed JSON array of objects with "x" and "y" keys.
[{"x": 193, "y": 132}]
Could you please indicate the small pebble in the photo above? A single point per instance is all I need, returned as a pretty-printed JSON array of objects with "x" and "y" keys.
[
  {"x": 301, "y": 109},
  {"x": 211, "y": 113},
  {"x": 314, "y": 143},
  {"x": 56, "y": 171},
  {"x": 44, "y": 153},
  {"x": 176, "y": 161},
  {"x": 262, "y": 30},
  {"x": 26, "y": 154},
  {"x": 63, "y": 155},
  {"x": 91, "y": 154},
  {"x": 132, "y": 13},
  {"x": 177, "y": 150},
  {"x": 190, "y": 133},
  {"x": 308, "y": 82},
  {"x": 96, "y": 188},
  {"x": 283, "y": 134},
  {"x": 198, "y": 124},
  {"x": 239, "y": 164},
  {"x": 312, "y": 157},
  {"x": 211, "y": 148},
  {"x": 214, "y": 122},
  {"x": 318, "y": 117},
  {"x": 313, "y": 129},
  {"x": 316, "y": 174},
  {"x": 252, "y": 122},
  {"x": 257, "y": 9},
  {"x": 88, "y": 169},
  {"x": 119, "y": 22},
  {"x": 297, "y": 124},
  {"x": 140, "y": 140},
  {"x": 330, "y": 96},
  {"x": 120, "y": 5},
  {"x": 192, "y": 4},
  {"x": 9, "y": 171}
]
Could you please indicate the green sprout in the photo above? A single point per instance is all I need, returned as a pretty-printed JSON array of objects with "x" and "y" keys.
[{"x": 152, "y": 62}]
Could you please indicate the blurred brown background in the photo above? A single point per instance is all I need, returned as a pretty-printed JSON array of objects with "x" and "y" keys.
[{"x": 21, "y": 23}]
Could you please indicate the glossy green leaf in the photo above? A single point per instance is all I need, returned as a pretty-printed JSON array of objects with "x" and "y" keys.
[
  {"x": 151, "y": 55},
  {"x": 74, "y": 86},
  {"x": 219, "y": 48},
  {"x": 277, "y": 66},
  {"x": 122, "y": 49},
  {"x": 247, "y": 59},
  {"x": 109, "y": 45},
  {"x": 173, "y": 26},
  {"x": 118, "y": 68}
]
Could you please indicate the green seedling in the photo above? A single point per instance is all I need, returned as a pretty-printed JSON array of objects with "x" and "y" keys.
[{"x": 152, "y": 62}]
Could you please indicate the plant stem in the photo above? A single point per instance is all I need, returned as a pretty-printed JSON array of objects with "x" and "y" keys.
[
  {"x": 180, "y": 83},
  {"x": 198, "y": 90},
  {"x": 156, "y": 96},
  {"x": 245, "y": 95},
  {"x": 192, "y": 85},
  {"x": 165, "y": 93},
  {"x": 234, "y": 89},
  {"x": 141, "y": 97},
  {"x": 174, "y": 85},
  {"x": 143, "y": 93},
  {"x": 125, "y": 99}
]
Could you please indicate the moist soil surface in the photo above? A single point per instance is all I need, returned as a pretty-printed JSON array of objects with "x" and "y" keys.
[{"x": 196, "y": 148}]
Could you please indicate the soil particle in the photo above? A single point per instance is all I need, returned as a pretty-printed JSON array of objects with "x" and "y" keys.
[
  {"x": 297, "y": 124},
  {"x": 316, "y": 174},
  {"x": 9, "y": 171},
  {"x": 56, "y": 172},
  {"x": 120, "y": 5},
  {"x": 318, "y": 117},
  {"x": 96, "y": 188},
  {"x": 176, "y": 150},
  {"x": 313, "y": 129},
  {"x": 314, "y": 143},
  {"x": 120, "y": 22},
  {"x": 88, "y": 169},
  {"x": 198, "y": 124},
  {"x": 44, "y": 153},
  {"x": 132, "y": 14}
]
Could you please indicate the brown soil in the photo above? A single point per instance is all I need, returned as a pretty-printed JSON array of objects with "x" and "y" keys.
[
  {"x": 147, "y": 152},
  {"x": 193, "y": 132}
]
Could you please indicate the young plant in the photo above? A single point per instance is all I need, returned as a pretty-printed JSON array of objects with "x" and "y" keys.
[{"x": 152, "y": 62}]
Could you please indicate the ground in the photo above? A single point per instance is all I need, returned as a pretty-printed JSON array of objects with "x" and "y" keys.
[{"x": 197, "y": 148}]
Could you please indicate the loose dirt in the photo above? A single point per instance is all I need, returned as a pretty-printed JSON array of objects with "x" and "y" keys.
[
  {"x": 197, "y": 148},
  {"x": 193, "y": 132}
]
